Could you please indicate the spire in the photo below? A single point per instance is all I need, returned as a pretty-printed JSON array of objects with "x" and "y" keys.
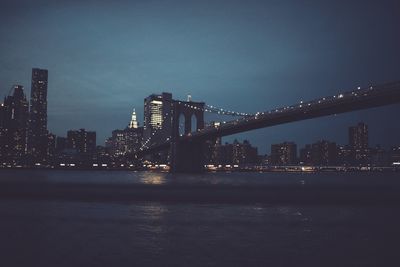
[{"x": 133, "y": 124}]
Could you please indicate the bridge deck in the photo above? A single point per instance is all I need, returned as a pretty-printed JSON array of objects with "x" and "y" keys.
[{"x": 362, "y": 98}]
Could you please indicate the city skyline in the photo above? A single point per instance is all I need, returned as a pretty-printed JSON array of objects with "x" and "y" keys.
[
  {"x": 42, "y": 74},
  {"x": 178, "y": 128},
  {"x": 251, "y": 57}
]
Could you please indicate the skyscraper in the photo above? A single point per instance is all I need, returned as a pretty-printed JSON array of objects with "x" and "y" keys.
[
  {"x": 358, "y": 136},
  {"x": 133, "y": 124},
  {"x": 358, "y": 142},
  {"x": 2, "y": 130},
  {"x": 38, "y": 135},
  {"x": 15, "y": 124},
  {"x": 157, "y": 117}
]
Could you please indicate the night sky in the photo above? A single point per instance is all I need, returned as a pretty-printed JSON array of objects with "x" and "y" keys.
[{"x": 105, "y": 57}]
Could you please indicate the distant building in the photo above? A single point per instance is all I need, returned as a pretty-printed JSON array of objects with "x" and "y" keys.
[
  {"x": 345, "y": 155},
  {"x": 306, "y": 155},
  {"x": 157, "y": 118},
  {"x": 237, "y": 153},
  {"x": 133, "y": 124},
  {"x": 244, "y": 153},
  {"x": 37, "y": 137},
  {"x": 213, "y": 147},
  {"x": 358, "y": 136},
  {"x": 284, "y": 153},
  {"x": 2, "y": 131},
  {"x": 225, "y": 153},
  {"x": 358, "y": 142},
  {"x": 51, "y": 145},
  {"x": 82, "y": 141},
  {"x": 379, "y": 156},
  {"x": 61, "y": 144},
  {"x": 14, "y": 124},
  {"x": 395, "y": 155},
  {"x": 126, "y": 141},
  {"x": 324, "y": 153}
]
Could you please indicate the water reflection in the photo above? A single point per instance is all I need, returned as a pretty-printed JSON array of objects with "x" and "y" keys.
[
  {"x": 153, "y": 219},
  {"x": 153, "y": 178}
]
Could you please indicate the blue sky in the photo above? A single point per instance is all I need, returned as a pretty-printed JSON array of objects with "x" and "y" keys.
[{"x": 105, "y": 57}]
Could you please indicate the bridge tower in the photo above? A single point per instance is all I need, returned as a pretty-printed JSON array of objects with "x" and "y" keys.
[{"x": 187, "y": 156}]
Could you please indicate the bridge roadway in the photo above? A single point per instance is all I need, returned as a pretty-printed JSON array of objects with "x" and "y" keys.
[{"x": 361, "y": 98}]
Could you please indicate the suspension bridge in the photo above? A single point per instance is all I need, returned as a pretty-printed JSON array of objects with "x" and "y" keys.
[{"x": 186, "y": 149}]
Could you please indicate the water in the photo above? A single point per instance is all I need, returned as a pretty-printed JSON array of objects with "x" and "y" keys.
[{"x": 54, "y": 226}]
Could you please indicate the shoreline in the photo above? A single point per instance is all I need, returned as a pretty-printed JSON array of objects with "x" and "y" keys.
[{"x": 259, "y": 169}]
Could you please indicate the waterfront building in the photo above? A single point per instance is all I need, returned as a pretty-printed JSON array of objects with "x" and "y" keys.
[
  {"x": 14, "y": 124},
  {"x": 82, "y": 141},
  {"x": 345, "y": 155},
  {"x": 358, "y": 136},
  {"x": 2, "y": 130},
  {"x": 61, "y": 144},
  {"x": 157, "y": 118},
  {"x": 128, "y": 140},
  {"x": 395, "y": 155},
  {"x": 51, "y": 145},
  {"x": 306, "y": 155},
  {"x": 236, "y": 153},
  {"x": 379, "y": 157},
  {"x": 244, "y": 153},
  {"x": 324, "y": 153},
  {"x": 284, "y": 153},
  {"x": 212, "y": 149},
  {"x": 37, "y": 137},
  {"x": 358, "y": 142}
]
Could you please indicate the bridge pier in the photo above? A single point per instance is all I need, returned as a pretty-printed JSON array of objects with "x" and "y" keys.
[{"x": 187, "y": 157}]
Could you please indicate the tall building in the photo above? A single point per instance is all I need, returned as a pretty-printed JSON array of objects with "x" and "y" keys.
[
  {"x": 51, "y": 145},
  {"x": 2, "y": 130},
  {"x": 84, "y": 142},
  {"x": 15, "y": 124},
  {"x": 236, "y": 153},
  {"x": 395, "y": 155},
  {"x": 345, "y": 155},
  {"x": 324, "y": 153},
  {"x": 126, "y": 141},
  {"x": 306, "y": 155},
  {"x": 284, "y": 153},
  {"x": 212, "y": 151},
  {"x": 244, "y": 153},
  {"x": 358, "y": 136},
  {"x": 157, "y": 118},
  {"x": 38, "y": 135},
  {"x": 358, "y": 142},
  {"x": 61, "y": 144},
  {"x": 133, "y": 124}
]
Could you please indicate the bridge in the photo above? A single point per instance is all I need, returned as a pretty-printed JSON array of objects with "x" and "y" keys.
[{"x": 187, "y": 149}]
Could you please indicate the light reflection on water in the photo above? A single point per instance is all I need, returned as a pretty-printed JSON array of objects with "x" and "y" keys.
[
  {"x": 236, "y": 179},
  {"x": 153, "y": 178}
]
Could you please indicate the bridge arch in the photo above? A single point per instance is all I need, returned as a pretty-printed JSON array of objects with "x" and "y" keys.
[
  {"x": 181, "y": 124},
  {"x": 193, "y": 123},
  {"x": 188, "y": 117}
]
